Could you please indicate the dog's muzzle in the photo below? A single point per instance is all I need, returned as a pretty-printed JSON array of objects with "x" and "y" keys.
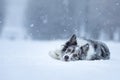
[{"x": 66, "y": 58}]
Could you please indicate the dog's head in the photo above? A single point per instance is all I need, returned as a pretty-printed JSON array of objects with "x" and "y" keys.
[{"x": 72, "y": 51}]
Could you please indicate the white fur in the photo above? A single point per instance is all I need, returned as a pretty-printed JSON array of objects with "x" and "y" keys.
[
  {"x": 81, "y": 42},
  {"x": 91, "y": 52},
  {"x": 56, "y": 54}
]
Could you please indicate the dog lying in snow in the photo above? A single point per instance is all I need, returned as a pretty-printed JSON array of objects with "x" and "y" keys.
[{"x": 81, "y": 49}]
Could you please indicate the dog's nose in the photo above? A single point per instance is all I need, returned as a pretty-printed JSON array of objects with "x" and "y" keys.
[{"x": 66, "y": 57}]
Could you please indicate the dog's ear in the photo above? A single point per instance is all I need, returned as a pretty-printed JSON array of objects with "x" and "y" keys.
[
  {"x": 73, "y": 40},
  {"x": 85, "y": 48},
  {"x": 70, "y": 42}
]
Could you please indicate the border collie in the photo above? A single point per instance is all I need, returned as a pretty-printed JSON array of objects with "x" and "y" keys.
[{"x": 82, "y": 49}]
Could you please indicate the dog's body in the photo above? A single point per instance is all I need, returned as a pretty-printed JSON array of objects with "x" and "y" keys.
[{"x": 82, "y": 49}]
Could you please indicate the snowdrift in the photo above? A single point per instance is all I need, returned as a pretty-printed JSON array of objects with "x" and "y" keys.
[{"x": 29, "y": 60}]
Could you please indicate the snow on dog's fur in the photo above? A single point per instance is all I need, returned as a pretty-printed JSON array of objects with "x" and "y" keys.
[{"x": 81, "y": 49}]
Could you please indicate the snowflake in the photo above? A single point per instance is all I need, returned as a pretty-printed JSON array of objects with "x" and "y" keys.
[
  {"x": 32, "y": 25},
  {"x": 80, "y": 12},
  {"x": 96, "y": 8},
  {"x": 65, "y": 30},
  {"x": 45, "y": 21},
  {"x": 0, "y": 21},
  {"x": 66, "y": 2},
  {"x": 117, "y": 4},
  {"x": 31, "y": 34},
  {"x": 37, "y": 31},
  {"x": 76, "y": 30}
]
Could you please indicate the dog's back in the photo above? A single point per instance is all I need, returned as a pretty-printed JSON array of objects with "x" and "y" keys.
[{"x": 101, "y": 50}]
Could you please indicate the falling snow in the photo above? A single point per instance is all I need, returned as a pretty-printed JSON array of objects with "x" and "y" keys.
[
  {"x": 117, "y": 4},
  {"x": 32, "y": 25},
  {"x": 0, "y": 22}
]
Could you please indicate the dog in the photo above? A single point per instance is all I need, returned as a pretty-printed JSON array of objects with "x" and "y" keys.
[{"x": 82, "y": 49}]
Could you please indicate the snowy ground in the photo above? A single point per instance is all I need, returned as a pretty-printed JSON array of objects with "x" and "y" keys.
[{"x": 29, "y": 60}]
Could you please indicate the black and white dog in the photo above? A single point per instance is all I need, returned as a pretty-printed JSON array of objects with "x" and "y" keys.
[{"x": 82, "y": 49}]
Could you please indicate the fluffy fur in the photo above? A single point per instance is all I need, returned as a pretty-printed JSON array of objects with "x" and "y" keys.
[{"x": 81, "y": 49}]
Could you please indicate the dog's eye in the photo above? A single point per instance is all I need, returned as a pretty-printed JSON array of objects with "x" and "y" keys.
[
  {"x": 73, "y": 51},
  {"x": 69, "y": 50},
  {"x": 74, "y": 55}
]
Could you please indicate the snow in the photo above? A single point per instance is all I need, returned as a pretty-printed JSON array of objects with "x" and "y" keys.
[
  {"x": 29, "y": 60},
  {"x": 117, "y": 4},
  {"x": 31, "y": 25},
  {"x": 0, "y": 22}
]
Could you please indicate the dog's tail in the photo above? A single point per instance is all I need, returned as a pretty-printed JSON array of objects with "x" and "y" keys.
[
  {"x": 105, "y": 53},
  {"x": 55, "y": 54},
  {"x": 102, "y": 49}
]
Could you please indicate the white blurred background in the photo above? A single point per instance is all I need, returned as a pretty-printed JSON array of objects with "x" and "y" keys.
[{"x": 58, "y": 19}]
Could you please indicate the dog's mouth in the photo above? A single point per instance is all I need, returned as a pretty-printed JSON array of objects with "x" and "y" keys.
[{"x": 72, "y": 57}]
